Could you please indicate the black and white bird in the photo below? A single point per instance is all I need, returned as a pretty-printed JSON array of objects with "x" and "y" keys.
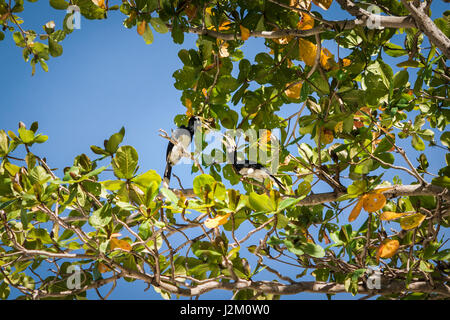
[
  {"x": 254, "y": 170},
  {"x": 183, "y": 137}
]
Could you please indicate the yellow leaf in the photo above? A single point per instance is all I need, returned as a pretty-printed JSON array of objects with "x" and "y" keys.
[
  {"x": 141, "y": 27},
  {"x": 374, "y": 202},
  {"x": 389, "y": 215},
  {"x": 325, "y": 57},
  {"x": 324, "y": 4},
  {"x": 356, "y": 210},
  {"x": 245, "y": 33},
  {"x": 387, "y": 249},
  {"x": 306, "y": 23},
  {"x": 293, "y": 92},
  {"x": 339, "y": 127},
  {"x": 412, "y": 221},
  {"x": 188, "y": 104},
  {"x": 307, "y": 51},
  {"x": 346, "y": 62},
  {"x": 208, "y": 10},
  {"x": 380, "y": 190},
  {"x": 217, "y": 221},
  {"x": 121, "y": 244}
]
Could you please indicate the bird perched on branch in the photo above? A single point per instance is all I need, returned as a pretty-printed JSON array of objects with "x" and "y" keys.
[
  {"x": 183, "y": 137},
  {"x": 254, "y": 170}
]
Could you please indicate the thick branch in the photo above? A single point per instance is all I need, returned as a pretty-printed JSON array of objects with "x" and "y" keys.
[
  {"x": 427, "y": 26},
  {"x": 397, "y": 191}
]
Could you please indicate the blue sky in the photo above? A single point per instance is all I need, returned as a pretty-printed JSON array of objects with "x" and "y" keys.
[{"x": 107, "y": 78}]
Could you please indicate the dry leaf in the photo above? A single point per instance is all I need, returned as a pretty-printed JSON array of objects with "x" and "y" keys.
[
  {"x": 217, "y": 221},
  {"x": 327, "y": 136},
  {"x": 324, "y": 4},
  {"x": 191, "y": 11},
  {"x": 412, "y": 221},
  {"x": 387, "y": 249},
  {"x": 245, "y": 33}
]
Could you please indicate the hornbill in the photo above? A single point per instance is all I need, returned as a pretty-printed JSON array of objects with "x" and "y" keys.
[
  {"x": 254, "y": 170},
  {"x": 183, "y": 137}
]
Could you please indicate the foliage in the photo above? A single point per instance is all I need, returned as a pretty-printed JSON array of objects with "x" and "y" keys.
[{"x": 357, "y": 115}]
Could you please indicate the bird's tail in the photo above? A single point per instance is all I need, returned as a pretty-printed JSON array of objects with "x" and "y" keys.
[
  {"x": 167, "y": 174},
  {"x": 278, "y": 182}
]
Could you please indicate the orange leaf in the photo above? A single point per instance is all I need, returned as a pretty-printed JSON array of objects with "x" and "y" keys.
[
  {"x": 324, "y": 4},
  {"x": 306, "y": 23},
  {"x": 346, "y": 62},
  {"x": 293, "y": 92},
  {"x": 245, "y": 33},
  {"x": 356, "y": 210},
  {"x": 389, "y": 215},
  {"x": 205, "y": 92},
  {"x": 121, "y": 244},
  {"x": 374, "y": 202},
  {"x": 141, "y": 27},
  {"x": 103, "y": 268},
  {"x": 217, "y": 221},
  {"x": 412, "y": 221},
  {"x": 387, "y": 249},
  {"x": 225, "y": 25},
  {"x": 307, "y": 51}
]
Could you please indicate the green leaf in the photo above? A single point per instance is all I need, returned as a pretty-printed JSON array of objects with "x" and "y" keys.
[
  {"x": 159, "y": 25},
  {"x": 59, "y": 4},
  {"x": 260, "y": 202},
  {"x": 148, "y": 35},
  {"x": 114, "y": 141},
  {"x": 202, "y": 184},
  {"x": 145, "y": 179},
  {"x": 125, "y": 162},
  {"x": 55, "y": 48},
  {"x": 417, "y": 143},
  {"x": 441, "y": 181},
  {"x": 40, "y": 138},
  {"x": 313, "y": 250},
  {"x": 401, "y": 79},
  {"x": 169, "y": 194},
  {"x": 27, "y": 136},
  {"x": 445, "y": 139},
  {"x": 3, "y": 143},
  {"x": 101, "y": 217}
]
